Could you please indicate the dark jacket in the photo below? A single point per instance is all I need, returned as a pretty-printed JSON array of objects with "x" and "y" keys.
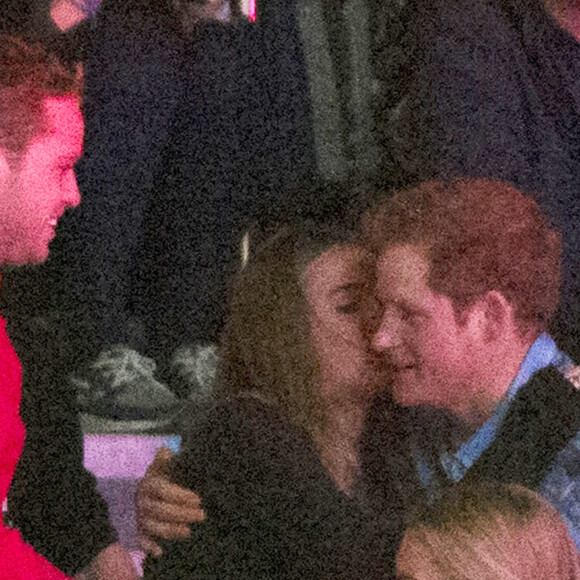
[
  {"x": 537, "y": 445},
  {"x": 272, "y": 509},
  {"x": 53, "y": 499}
]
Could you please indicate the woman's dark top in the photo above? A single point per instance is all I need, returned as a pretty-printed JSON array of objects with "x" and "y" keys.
[{"x": 272, "y": 509}]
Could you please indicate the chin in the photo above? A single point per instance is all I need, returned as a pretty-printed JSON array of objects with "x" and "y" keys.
[
  {"x": 36, "y": 257},
  {"x": 407, "y": 398}
]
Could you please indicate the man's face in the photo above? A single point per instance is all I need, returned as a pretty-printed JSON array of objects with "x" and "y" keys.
[
  {"x": 434, "y": 357},
  {"x": 36, "y": 189}
]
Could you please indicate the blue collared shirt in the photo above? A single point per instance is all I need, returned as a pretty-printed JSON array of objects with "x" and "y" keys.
[{"x": 562, "y": 484}]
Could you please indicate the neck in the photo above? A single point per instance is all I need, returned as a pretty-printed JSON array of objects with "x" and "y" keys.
[
  {"x": 344, "y": 422},
  {"x": 567, "y": 14},
  {"x": 500, "y": 367}
]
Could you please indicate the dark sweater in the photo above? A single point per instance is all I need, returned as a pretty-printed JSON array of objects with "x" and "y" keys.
[
  {"x": 53, "y": 499},
  {"x": 272, "y": 509}
]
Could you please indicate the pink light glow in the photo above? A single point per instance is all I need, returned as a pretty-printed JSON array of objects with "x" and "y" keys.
[{"x": 252, "y": 10}]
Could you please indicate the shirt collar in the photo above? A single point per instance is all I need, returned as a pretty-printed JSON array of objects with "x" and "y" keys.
[{"x": 541, "y": 354}]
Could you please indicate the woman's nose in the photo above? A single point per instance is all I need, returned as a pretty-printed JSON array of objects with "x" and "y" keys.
[{"x": 388, "y": 333}]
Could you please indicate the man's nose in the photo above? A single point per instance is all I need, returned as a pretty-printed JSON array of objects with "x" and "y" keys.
[{"x": 72, "y": 194}]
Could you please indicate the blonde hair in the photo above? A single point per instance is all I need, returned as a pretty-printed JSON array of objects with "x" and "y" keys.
[{"x": 489, "y": 532}]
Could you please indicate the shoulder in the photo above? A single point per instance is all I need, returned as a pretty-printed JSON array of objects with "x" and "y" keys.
[
  {"x": 456, "y": 49},
  {"x": 243, "y": 441},
  {"x": 250, "y": 419},
  {"x": 562, "y": 486},
  {"x": 458, "y": 34},
  {"x": 458, "y": 16},
  {"x": 553, "y": 387},
  {"x": 549, "y": 403}
]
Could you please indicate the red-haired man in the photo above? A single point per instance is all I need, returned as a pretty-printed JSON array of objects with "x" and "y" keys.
[
  {"x": 467, "y": 281},
  {"x": 468, "y": 274}
]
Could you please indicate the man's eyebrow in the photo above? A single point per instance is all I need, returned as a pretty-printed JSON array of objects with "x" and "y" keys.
[{"x": 347, "y": 287}]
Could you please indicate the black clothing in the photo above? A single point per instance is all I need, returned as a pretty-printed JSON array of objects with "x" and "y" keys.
[
  {"x": 272, "y": 509},
  {"x": 542, "y": 420},
  {"x": 187, "y": 141},
  {"x": 205, "y": 193},
  {"x": 53, "y": 499},
  {"x": 492, "y": 89}
]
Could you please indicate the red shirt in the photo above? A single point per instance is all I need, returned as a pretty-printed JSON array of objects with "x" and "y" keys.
[{"x": 18, "y": 561}]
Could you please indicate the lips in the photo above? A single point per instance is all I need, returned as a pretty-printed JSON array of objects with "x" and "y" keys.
[
  {"x": 403, "y": 369},
  {"x": 401, "y": 364}
]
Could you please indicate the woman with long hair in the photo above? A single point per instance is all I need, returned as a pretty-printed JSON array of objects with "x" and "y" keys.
[{"x": 276, "y": 459}]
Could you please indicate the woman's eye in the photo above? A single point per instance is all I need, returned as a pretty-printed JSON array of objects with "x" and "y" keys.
[{"x": 412, "y": 317}]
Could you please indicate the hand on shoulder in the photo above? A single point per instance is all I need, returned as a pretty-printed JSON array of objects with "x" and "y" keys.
[{"x": 164, "y": 510}]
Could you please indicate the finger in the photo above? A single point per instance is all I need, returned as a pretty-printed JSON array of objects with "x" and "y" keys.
[
  {"x": 161, "y": 488},
  {"x": 164, "y": 530},
  {"x": 170, "y": 513},
  {"x": 148, "y": 546},
  {"x": 161, "y": 461}
]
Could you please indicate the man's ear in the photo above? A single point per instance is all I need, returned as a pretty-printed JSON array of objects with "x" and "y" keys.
[{"x": 496, "y": 314}]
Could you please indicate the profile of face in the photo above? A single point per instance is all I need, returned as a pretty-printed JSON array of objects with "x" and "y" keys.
[
  {"x": 37, "y": 189},
  {"x": 337, "y": 286},
  {"x": 433, "y": 355}
]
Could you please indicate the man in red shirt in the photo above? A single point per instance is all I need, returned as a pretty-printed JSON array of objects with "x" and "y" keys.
[{"x": 41, "y": 138}]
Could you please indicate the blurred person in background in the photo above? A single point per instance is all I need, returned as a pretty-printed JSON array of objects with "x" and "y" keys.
[
  {"x": 41, "y": 138},
  {"x": 41, "y": 132},
  {"x": 488, "y": 532}
]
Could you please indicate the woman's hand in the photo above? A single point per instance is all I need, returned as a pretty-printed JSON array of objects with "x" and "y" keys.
[{"x": 164, "y": 509}]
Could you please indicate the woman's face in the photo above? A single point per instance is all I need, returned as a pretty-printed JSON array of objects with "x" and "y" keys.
[{"x": 337, "y": 286}]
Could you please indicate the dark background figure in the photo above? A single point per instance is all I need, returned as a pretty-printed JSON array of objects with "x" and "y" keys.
[
  {"x": 15, "y": 16},
  {"x": 41, "y": 84},
  {"x": 238, "y": 142},
  {"x": 132, "y": 74},
  {"x": 53, "y": 500},
  {"x": 188, "y": 140},
  {"x": 491, "y": 89}
]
